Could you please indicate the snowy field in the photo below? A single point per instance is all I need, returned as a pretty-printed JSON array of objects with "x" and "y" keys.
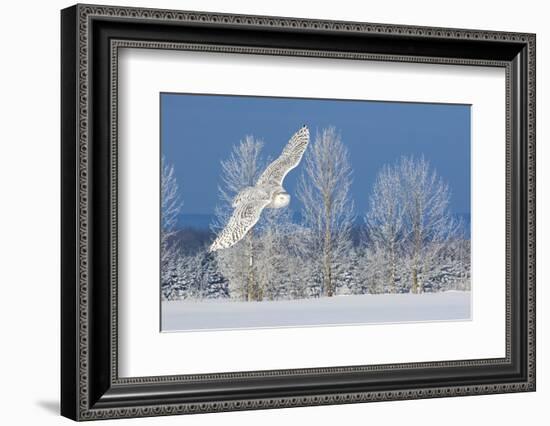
[{"x": 339, "y": 310}]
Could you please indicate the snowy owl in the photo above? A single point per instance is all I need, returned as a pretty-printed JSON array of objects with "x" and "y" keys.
[{"x": 267, "y": 193}]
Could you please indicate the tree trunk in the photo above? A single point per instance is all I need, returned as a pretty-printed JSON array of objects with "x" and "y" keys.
[
  {"x": 327, "y": 261},
  {"x": 415, "y": 280},
  {"x": 250, "y": 291},
  {"x": 417, "y": 249},
  {"x": 392, "y": 269},
  {"x": 327, "y": 274}
]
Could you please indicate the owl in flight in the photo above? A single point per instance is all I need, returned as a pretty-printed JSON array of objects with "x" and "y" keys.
[{"x": 267, "y": 193}]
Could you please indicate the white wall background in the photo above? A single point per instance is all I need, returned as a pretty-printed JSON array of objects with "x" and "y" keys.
[{"x": 29, "y": 212}]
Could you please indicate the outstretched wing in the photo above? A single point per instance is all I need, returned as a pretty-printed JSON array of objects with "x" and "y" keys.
[
  {"x": 244, "y": 217},
  {"x": 290, "y": 157}
]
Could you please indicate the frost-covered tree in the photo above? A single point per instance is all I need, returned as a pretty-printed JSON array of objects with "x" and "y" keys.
[
  {"x": 429, "y": 223},
  {"x": 451, "y": 268},
  {"x": 238, "y": 263},
  {"x": 208, "y": 282},
  {"x": 271, "y": 254},
  {"x": 409, "y": 224},
  {"x": 462, "y": 256},
  {"x": 171, "y": 205},
  {"x": 327, "y": 207},
  {"x": 196, "y": 276},
  {"x": 183, "y": 276},
  {"x": 280, "y": 256},
  {"x": 371, "y": 275},
  {"x": 385, "y": 225}
]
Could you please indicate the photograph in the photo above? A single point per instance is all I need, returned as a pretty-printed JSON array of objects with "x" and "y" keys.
[
  {"x": 302, "y": 212},
  {"x": 274, "y": 208}
]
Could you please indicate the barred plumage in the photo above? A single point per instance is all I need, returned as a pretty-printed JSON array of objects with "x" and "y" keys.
[
  {"x": 268, "y": 192},
  {"x": 291, "y": 156}
]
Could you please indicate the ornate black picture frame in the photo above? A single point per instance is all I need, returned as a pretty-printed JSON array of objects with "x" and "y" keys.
[{"x": 90, "y": 386}]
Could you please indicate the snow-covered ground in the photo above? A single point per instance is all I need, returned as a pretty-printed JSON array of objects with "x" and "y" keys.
[{"x": 361, "y": 309}]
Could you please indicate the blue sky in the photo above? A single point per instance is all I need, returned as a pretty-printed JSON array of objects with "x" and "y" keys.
[{"x": 197, "y": 131}]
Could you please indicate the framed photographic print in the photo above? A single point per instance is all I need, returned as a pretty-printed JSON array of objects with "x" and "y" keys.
[{"x": 263, "y": 212}]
